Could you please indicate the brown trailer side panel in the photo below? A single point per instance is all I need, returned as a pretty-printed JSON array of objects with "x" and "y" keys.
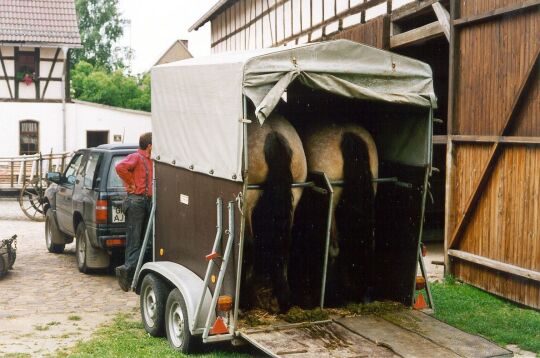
[
  {"x": 496, "y": 91},
  {"x": 185, "y": 233}
]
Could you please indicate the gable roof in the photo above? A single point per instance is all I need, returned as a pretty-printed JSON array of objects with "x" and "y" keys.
[
  {"x": 176, "y": 52},
  {"x": 51, "y": 22}
]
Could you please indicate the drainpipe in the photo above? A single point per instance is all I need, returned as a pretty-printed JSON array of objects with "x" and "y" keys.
[{"x": 64, "y": 95}]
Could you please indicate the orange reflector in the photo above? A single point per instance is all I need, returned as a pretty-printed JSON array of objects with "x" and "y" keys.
[
  {"x": 420, "y": 303},
  {"x": 420, "y": 283},
  {"x": 114, "y": 242},
  {"x": 219, "y": 327},
  {"x": 424, "y": 250},
  {"x": 101, "y": 212},
  {"x": 212, "y": 256},
  {"x": 224, "y": 303}
]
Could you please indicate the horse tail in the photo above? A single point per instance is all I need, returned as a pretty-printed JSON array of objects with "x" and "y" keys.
[
  {"x": 272, "y": 215},
  {"x": 355, "y": 213}
]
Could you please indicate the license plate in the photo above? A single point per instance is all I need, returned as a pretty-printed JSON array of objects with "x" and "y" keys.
[{"x": 117, "y": 214}]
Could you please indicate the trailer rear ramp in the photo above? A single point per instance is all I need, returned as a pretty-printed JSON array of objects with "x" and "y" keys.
[{"x": 400, "y": 334}]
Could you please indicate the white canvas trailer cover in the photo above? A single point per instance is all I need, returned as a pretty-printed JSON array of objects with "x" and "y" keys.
[{"x": 197, "y": 103}]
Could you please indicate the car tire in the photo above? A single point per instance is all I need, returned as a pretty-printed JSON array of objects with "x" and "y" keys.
[
  {"x": 3, "y": 265},
  {"x": 52, "y": 233},
  {"x": 177, "y": 323},
  {"x": 81, "y": 247},
  {"x": 153, "y": 298}
]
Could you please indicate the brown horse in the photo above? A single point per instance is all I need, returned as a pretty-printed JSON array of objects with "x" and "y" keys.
[
  {"x": 276, "y": 160},
  {"x": 347, "y": 154}
]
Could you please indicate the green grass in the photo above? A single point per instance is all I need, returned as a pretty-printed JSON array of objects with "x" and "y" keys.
[
  {"x": 126, "y": 337},
  {"x": 481, "y": 313},
  {"x": 74, "y": 318}
]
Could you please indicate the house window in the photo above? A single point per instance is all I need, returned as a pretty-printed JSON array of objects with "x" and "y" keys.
[
  {"x": 25, "y": 65},
  {"x": 29, "y": 137}
]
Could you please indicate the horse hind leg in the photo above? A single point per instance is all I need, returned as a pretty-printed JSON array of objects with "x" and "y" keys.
[
  {"x": 355, "y": 217},
  {"x": 272, "y": 219}
]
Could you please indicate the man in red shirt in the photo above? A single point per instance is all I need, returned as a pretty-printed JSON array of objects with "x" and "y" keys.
[{"x": 136, "y": 171}]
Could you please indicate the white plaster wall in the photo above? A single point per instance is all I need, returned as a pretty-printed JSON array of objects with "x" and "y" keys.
[
  {"x": 83, "y": 117},
  {"x": 49, "y": 117},
  {"x": 80, "y": 118}
]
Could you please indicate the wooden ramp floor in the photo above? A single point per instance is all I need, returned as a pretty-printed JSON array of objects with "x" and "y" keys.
[{"x": 400, "y": 334}]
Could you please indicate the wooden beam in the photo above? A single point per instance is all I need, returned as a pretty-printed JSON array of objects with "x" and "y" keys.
[
  {"x": 453, "y": 81},
  {"x": 422, "y": 33},
  {"x": 494, "y": 139},
  {"x": 443, "y": 16},
  {"x": 5, "y": 74},
  {"x": 440, "y": 139},
  {"x": 411, "y": 9},
  {"x": 496, "y": 13},
  {"x": 493, "y": 155},
  {"x": 497, "y": 265}
]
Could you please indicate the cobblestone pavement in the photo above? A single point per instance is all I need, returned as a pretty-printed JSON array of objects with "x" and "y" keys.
[{"x": 45, "y": 302}]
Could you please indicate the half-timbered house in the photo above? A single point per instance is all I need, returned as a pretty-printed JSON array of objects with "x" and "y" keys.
[{"x": 36, "y": 112}]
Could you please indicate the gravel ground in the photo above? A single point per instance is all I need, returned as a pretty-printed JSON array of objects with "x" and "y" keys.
[{"x": 45, "y": 302}]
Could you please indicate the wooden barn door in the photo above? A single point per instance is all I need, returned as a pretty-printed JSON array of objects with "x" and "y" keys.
[{"x": 492, "y": 237}]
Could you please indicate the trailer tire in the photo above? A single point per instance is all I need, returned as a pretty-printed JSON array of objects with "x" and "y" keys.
[
  {"x": 52, "y": 234},
  {"x": 81, "y": 247},
  {"x": 177, "y": 323},
  {"x": 153, "y": 299}
]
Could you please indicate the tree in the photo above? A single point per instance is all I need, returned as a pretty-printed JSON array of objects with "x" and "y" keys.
[
  {"x": 92, "y": 84},
  {"x": 100, "y": 25}
]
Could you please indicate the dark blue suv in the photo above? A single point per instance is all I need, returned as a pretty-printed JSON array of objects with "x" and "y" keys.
[{"x": 85, "y": 202}]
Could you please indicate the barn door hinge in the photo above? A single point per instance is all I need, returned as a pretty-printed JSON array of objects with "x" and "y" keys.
[{"x": 244, "y": 120}]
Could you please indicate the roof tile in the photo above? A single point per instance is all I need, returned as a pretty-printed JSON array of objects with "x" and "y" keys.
[{"x": 47, "y": 21}]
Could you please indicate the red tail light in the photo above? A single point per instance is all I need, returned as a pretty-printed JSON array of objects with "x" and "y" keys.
[
  {"x": 115, "y": 242},
  {"x": 101, "y": 212}
]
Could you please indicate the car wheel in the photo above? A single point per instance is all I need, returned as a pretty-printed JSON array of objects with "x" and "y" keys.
[
  {"x": 153, "y": 299},
  {"x": 81, "y": 247},
  {"x": 3, "y": 265},
  {"x": 52, "y": 234},
  {"x": 177, "y": 324}
]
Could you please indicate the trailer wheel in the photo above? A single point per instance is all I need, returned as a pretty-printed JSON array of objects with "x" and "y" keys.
[
  {"x": 153, "y": 299},
  {"x": 52, "y": 234},
  {"x": 177, "y": 324},
  {"x": 81, "y": 243}
]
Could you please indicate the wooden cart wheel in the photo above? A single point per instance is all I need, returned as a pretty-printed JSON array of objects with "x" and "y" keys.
[{"x": 32, "y": 198}]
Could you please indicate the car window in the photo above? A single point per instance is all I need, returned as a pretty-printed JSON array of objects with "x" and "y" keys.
[
  {"x": 69, "y": 174},
  {"x": 114, "y": 180},
  {"x": 90, "y": 170}
]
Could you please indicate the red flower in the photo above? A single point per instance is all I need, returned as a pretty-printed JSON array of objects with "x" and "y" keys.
[{"x": 27, "y": 79}]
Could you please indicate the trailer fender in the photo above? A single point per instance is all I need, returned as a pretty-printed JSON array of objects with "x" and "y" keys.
[{"x": 189, "y": 284}]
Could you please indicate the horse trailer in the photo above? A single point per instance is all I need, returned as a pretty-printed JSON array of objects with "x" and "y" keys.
[{"x": 212, "y": 240}]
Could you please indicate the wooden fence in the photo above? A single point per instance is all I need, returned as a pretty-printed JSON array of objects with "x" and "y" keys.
[{"x": 14, "y": 171}]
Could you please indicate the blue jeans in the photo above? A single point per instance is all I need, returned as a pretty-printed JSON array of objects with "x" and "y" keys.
[{"x": 137, "y": 210}]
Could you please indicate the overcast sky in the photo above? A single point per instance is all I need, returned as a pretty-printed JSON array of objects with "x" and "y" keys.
[{"x": 156, "y": 24}]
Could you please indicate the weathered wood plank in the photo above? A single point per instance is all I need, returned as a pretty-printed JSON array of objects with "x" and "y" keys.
[
  {"x": 494, "y": 154},
  {"x": 495, "y": 13},
  {"x": 411, "y": 9},
  {"x": 494, "y": 139},
  {"x": 325, "y": 340},
  {"x": 497, "y": 265},
  {"x": 422, "y": 33},
  {"x": 459, "y": 342},
  {"x": 443, "y": 17},
  {"x": 404, "y": 342}
]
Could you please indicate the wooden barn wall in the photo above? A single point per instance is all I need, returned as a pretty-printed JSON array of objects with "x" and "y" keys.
[
  {"x": 492, "y": 60},
  {"x": 373, "y": 33}
]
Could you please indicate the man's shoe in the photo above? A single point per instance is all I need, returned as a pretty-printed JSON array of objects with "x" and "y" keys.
[{"x": 123, "y": 279}]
